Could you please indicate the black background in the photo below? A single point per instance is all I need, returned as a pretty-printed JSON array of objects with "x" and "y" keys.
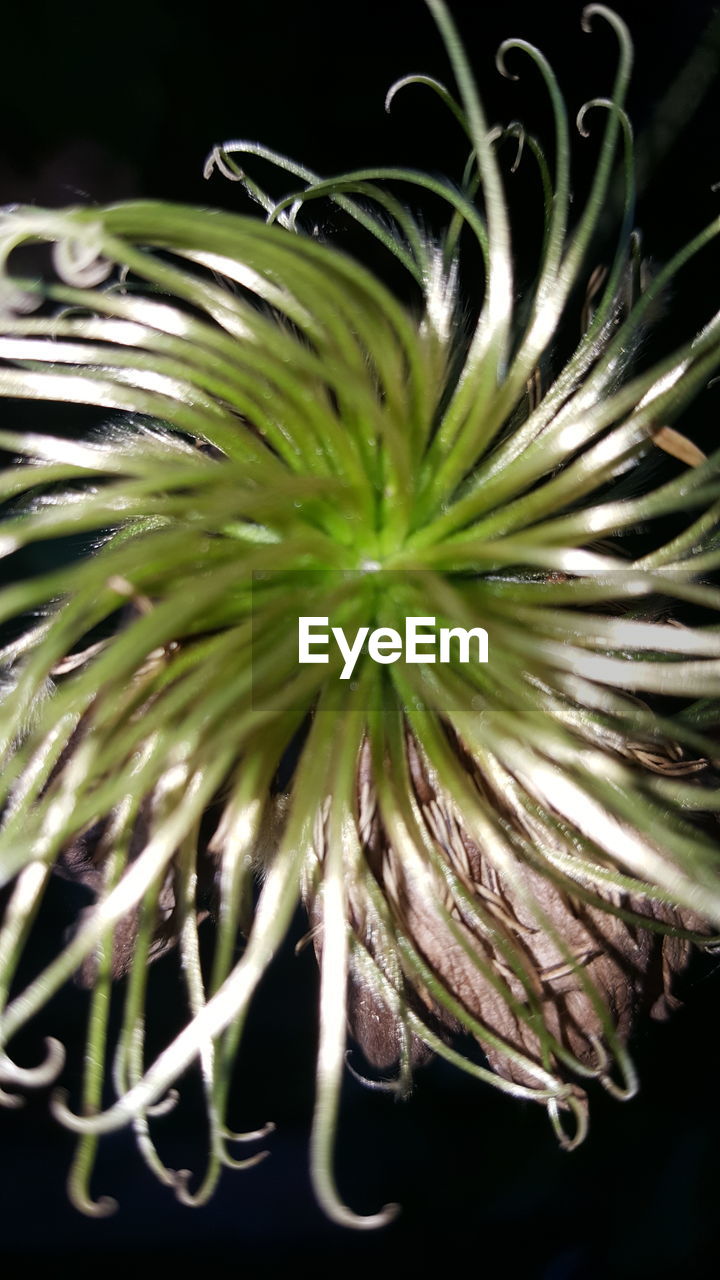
[{"x": 103, "y": 105}]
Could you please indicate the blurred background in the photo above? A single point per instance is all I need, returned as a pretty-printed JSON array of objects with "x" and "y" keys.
[{"x": 126, "y": 102}]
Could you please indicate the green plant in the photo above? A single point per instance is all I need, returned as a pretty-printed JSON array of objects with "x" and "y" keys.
[{"x": 508, "y": 850}]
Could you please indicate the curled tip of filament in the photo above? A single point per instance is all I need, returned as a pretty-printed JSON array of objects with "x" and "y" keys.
[
  {"x": 577, "y": 1103},
  {"x": 611, "y": 17},
  {"x": 180, "y": 1185},
  {"x": 165, "y": 1105},
  {"x": 217, "y": 159},
  {"x": 254, "y": 1135},
  {"x": 582, "y": 113},
  {"x": 500, "y": 62},
  {"x": 515, "y": 129},
  {"x": 379, "y": 1086},
  {"x": 248, "y": 1162},
  {"x": 12, "y": 1101},
  {"x": 80, "y": 264},
  {"x": 387, "y": 1214},
  {"x": 15, "y": 300},
  {"x": 518, "y": 129},
  {"x": 61, "y": 1110},
  {"x": 103, "y": 1207},
  {"x": 588, "y": 14},
  {"x": 344, "y": 1217},
  {"x": 395, "y": 88},
  {"x": 42, "y": 1075},
  {"x": 196, "y": 1199},
  {"x": 601, "y": 1055},
  {"x": 622, "y": 1092},
  {"x": 601, "y": 102},
  {"x": 210, "y": 164}
]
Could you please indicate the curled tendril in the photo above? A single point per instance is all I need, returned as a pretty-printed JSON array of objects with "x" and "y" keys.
[
  {"x": 195, "y": 1199},
  {"x": 78, "y": 1184},
  {"x": 610, "y": 16},
  {"x": 62, "y": 1111},
  {"x": 581, "y": 1114},
  {"x": 42, "y": 1075},
  {"x": 17, "y": 299},
  {"x": 377, "y": 1086},
  {"x": 512, "y": 130},
  {"x": 80, "y": 264},
  {"x": 609, "y": 105},
  {"x": 601, "y": 1054},
  {"x": 252, "y": 1135},
  {"x": 219, "y": 158},
  {"x": 500, "y": 58},
  {"x": 165, "y": 1105},
  {"x": 438, "y": 87},
  {"x": 11, "y": 1101},
  {"x": 103, "y": 1207},
  {"x": 622, "y": 1092}
]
